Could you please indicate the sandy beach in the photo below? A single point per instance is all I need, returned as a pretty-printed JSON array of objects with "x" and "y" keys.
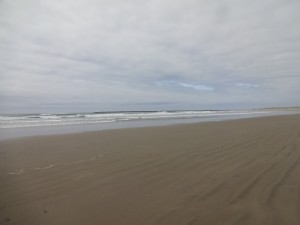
[{"x": 243, "y": 172}]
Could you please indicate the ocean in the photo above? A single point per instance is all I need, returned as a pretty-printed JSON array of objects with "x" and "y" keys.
[
  {"x": 38, "y": 120},
  {"x": 21, "y": 125}
]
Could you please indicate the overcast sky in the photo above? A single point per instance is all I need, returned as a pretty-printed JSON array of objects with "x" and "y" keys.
[{"x": 98, "y": 55}]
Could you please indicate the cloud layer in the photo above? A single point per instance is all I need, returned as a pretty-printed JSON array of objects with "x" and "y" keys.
[{"x": 139, "y": 55}]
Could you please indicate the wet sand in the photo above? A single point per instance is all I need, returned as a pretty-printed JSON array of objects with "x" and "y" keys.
[{"x": 216, "y": 173}]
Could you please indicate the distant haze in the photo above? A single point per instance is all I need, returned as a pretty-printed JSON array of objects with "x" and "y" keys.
[{"x": 105, "y": 55}]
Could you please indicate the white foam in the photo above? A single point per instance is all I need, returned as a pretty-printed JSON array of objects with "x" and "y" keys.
[
  {"x": 85, "y": 160},
  {"x": 17, "y": 172},
  {"x": 44, "y": 168},
  {"x": 36, "y": 120}
]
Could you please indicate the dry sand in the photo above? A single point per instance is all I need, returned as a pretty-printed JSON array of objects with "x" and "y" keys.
[{"x": 216, "y": 173}]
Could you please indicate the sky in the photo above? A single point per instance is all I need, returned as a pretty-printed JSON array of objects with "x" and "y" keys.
[{"x": 106, "y": 55}]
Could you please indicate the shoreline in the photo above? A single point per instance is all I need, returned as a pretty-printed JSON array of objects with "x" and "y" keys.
[
  {"x": 234, "y": 172},
  {"x": 13, "y": 133}
]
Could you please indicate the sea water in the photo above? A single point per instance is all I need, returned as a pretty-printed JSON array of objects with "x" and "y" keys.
[
  {"x": 19, "y": 125},
  {"x": 38, "y": 120}
]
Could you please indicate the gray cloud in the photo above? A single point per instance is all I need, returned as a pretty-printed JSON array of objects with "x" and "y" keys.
[{"x": 107, "y": 55}]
